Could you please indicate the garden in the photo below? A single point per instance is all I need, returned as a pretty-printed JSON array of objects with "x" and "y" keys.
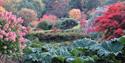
[{"x": 62, "y": 31}]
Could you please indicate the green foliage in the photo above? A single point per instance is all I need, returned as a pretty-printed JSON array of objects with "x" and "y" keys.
[
  {"x": 66, "y": 23},
  {"x": 122, "y": 40},
  {"x": 80, "y": 51},
  {"x": 45, "y": 25},
  {"x": 9, "y": 48}
]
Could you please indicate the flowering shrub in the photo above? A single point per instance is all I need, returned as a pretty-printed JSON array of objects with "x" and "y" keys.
[
  {"x": 11, "y": 33},
  {"x": 1, "y": 2},
  {"x": 112, "y": 23}
]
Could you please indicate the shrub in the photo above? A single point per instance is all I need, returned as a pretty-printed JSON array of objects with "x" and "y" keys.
[
  {"x": 28, "y": 15},
  {"x": 49, "y": 37},
  {"x": 66, "y": 23},
  {"x": 12, "y": 34},
  {"x": 112, "y": 23},
  {"x": 75, "y": 14},
  {"x": 50, "y": 18},
  {"x": 88, "y": 25},
  {"x": 48, "y": 21},
  {"x": 45, "y": 25}
]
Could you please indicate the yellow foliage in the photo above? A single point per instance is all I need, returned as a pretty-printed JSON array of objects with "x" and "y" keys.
[{"x": 75, "y": 13}]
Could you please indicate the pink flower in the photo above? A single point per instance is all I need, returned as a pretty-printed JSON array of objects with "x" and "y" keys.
[
  {"x": 6, "y": 26},
  {"x": 12, "y": 29},
  {"x": 92, "y": 29},
  {"x": 22, "y": 46},
  {"x": 1, "y": 36},
  {"x": 20, "y": 20},
  {"x": 12, "y": 26},
  {"x": 2, "y": 32},
  {"x": 22, "y": 40},
  {"x": 11, "y": 36},
  {"x": 22, "y": 34},
  {"x": 1, "y": 2},
  {"x": 83, "y": 22},
  {"x": 25, "y": 29}
]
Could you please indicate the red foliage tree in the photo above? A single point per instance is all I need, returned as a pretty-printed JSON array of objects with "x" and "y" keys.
[{"x": 112, "y": 23}]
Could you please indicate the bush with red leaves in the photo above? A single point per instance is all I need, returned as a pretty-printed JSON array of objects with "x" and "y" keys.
[{"x": 112, "y": 23}]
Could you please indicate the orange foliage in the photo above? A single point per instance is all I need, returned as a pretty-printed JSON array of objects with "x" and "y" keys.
[{"x": 75, "y": 13}]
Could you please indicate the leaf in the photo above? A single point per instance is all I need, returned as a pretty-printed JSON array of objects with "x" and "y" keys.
[
  {"x": 122, "y": 40},
  {"x": 59, "y": 58},
  {"x": 77, "y": 51},
  {"x": 78, "y": 60},
  {"x": 110, "y": 47},
  {"x": 86, "y": 43}
]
